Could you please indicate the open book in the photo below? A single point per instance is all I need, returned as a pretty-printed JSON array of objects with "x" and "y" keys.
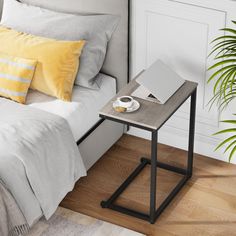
[{"x": 158, "y": 83}]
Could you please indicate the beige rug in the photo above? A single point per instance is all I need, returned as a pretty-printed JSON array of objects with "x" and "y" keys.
[{"x": 69, "y": 223}]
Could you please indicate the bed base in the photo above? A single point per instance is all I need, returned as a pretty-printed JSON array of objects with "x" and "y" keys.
[
  {"x": 98, "y": 140},
  {"x": 91, "y": 130}
]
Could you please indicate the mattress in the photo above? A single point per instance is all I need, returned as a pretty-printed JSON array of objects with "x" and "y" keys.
[{"x": 82, "y": 112}]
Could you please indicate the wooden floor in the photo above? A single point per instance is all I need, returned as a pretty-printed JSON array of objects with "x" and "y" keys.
[{"x": 206, "y": 206}]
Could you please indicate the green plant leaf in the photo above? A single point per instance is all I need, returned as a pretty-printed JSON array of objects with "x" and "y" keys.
[
  {"x": 232, "y": 83},
  {"x": 231, "y": 145},
  {"x": 225, "y": 141},
  {"x": 224, "y": 43},
  {"x": 226, "y": 56},
  {"x": 224, "y": 91},
  {"x": 229, "y": 30},
  {"x": 222, "y": 102},
  {"x": 231, "y": 70},
  {"x": 224, "y": 37},
  {"x": 223, "y": 48},
  {"x": 213, "y": 100},
  {"x": 226, "y": 84},
  {"x": 232, "y": 153},
  {"x": 226, "y": 50},
  {"x": 229, "y": 121},
  {"x": 226, "y": 101},
  {"x": 218, "y": 72},
  {"x": 226, "y": 131},
  {"x": 222, "y": 63},
  {"x": 223, "y": 88}
]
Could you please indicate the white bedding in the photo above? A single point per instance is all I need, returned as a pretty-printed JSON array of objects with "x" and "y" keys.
[
  {"x": 81, "y": 115},
  {"x": 82, "y": 112},
  {"x": 39, "y": 160}
]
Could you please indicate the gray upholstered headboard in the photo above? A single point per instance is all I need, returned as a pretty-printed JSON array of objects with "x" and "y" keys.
[{"x": 116, "y": 63}]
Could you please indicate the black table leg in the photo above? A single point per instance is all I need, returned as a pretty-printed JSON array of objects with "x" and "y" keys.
[
  {"x": 191, "y": 134},
  {"x": 153, "y": 178}
]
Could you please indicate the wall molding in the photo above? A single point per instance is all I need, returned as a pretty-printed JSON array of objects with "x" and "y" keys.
[{"x": 202, "y": 19}]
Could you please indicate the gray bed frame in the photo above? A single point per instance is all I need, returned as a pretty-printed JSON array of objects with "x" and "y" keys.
[{"x": 104, "y": 133}]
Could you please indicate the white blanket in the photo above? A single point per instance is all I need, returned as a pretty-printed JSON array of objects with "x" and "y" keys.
[
  {"x": 12, "y": 222},
  {"x": 39, "y": 160}
]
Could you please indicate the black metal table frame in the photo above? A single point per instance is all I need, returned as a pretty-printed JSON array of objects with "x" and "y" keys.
[{"x": 187, "y": 173}]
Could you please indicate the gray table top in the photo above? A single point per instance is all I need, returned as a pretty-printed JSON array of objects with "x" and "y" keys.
[{"x": 150, "y": 116}]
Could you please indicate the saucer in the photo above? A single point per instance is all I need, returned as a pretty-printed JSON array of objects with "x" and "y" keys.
[{"x": 134, "y": 107}]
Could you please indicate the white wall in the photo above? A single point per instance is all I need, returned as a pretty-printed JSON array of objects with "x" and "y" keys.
[
  {"x": 179, "y": 33},
  {"x": 1, "y": 3}
]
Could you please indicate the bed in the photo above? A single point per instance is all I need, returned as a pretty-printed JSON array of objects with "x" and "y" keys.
[
  {"x": 116, "y": 65},
  {"x": 87, "y": 132}
]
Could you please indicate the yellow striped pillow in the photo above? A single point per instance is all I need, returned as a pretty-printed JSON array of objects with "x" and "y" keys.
[
  {"x": 58, "y": 61},
  {"x": 16, "y": 75}
]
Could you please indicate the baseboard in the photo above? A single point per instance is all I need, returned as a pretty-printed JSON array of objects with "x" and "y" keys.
[{"x": 179, "y": 139}]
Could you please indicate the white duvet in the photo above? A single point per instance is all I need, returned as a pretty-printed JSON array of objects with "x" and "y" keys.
[{"x": 39, "y": 160}]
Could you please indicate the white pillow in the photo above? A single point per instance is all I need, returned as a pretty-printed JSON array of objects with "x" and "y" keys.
[{"x": 95, "y": 29}]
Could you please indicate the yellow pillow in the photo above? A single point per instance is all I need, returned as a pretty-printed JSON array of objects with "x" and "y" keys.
[
  {"x": 58, "y": 61},
  {"x": 16, "y": 75}
]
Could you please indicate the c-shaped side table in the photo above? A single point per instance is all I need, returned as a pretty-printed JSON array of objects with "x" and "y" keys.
[{"x": 151, "y": 117}]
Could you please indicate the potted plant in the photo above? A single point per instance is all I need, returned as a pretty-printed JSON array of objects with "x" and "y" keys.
[{"x": 224, "y": 78}]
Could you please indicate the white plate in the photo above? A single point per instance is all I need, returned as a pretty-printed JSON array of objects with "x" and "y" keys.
[{"x": 135, "y": 106}]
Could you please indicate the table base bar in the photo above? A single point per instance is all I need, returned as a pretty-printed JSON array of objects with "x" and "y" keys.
[{"x": 145, "y": 161}]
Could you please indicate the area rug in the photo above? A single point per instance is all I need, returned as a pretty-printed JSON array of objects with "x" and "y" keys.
[{"x": 69, "y": 223}]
